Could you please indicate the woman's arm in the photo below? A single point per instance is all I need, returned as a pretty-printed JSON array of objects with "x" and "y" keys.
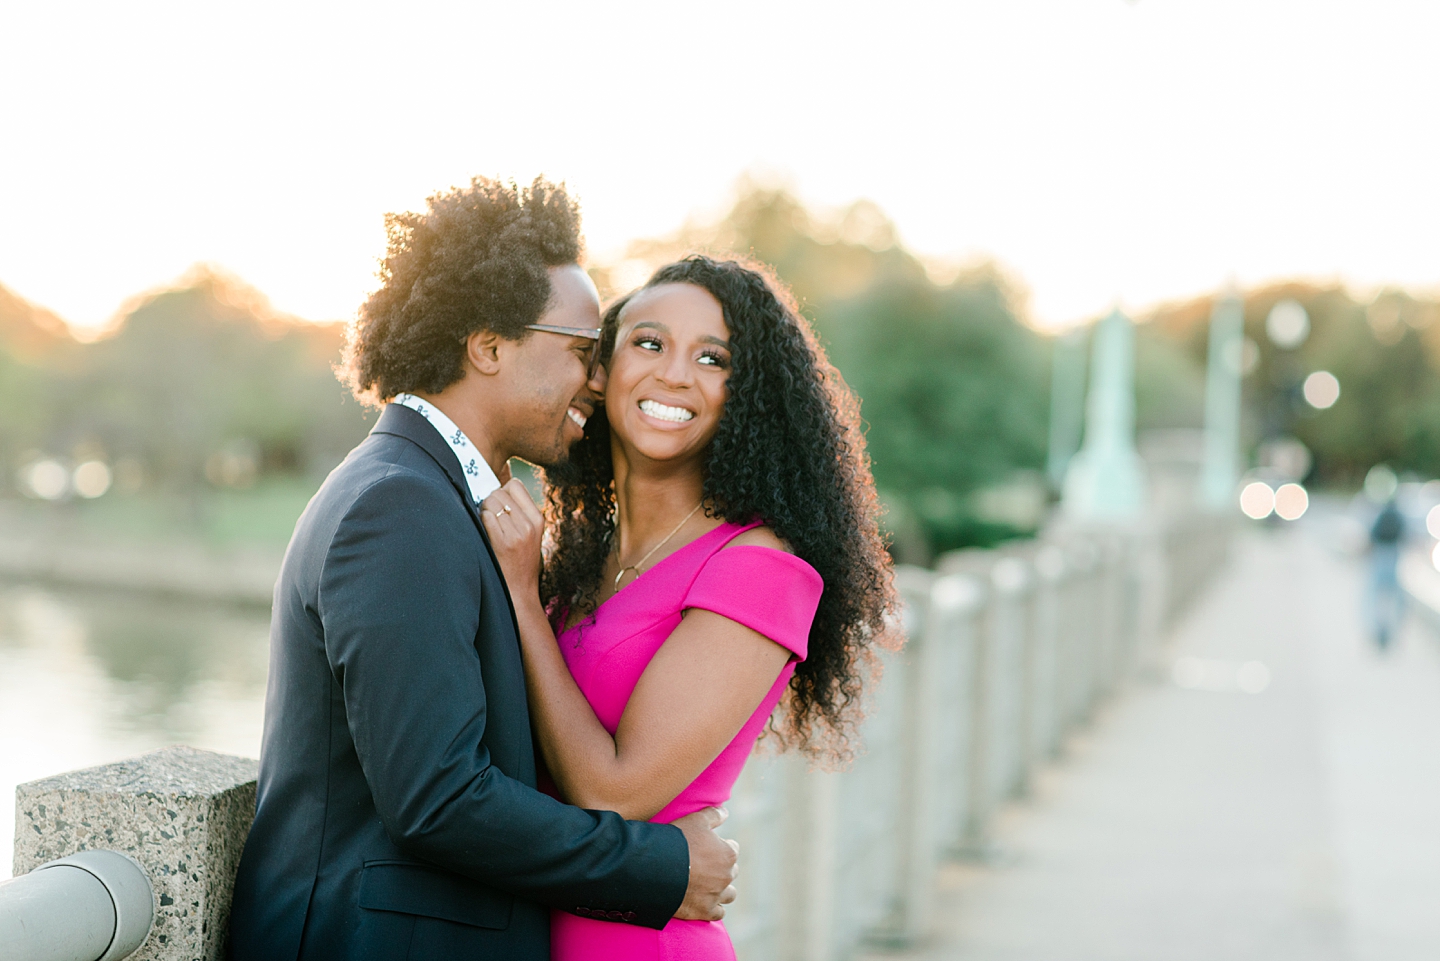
[{"x": 694, "y": 697}]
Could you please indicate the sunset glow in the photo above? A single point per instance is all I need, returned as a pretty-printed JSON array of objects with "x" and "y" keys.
[{"x": 1096, "y": 148}]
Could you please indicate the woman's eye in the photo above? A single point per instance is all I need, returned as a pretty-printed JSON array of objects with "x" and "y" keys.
[
  {"x": 647, "y": 343},
  {"x": 712, "y": 359}
]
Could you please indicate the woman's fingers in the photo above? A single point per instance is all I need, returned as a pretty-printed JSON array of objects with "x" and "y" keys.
[
  {"x": 491, "y": 520},
  {"x": 500, "y": 521},
  {"x": 522, "y": 516},
  {"x": 514, "y": 526},
  {"x": 500, "y": 504}
]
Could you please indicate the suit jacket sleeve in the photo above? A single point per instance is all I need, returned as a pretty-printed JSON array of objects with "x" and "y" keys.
[{"x": 399, "y": 602}]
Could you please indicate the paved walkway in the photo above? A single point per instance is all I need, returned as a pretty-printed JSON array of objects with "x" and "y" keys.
[{"x": 1210, "y": 824}]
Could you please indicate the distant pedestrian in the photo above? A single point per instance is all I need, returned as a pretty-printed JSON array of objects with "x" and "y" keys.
[{"x": 1387, "y": 603}]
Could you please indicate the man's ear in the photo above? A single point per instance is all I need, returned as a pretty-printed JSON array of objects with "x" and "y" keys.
[{"x": 482, "y": 350}]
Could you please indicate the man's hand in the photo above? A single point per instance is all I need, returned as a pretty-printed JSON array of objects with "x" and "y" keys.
[{"x": 713, "y": 862}]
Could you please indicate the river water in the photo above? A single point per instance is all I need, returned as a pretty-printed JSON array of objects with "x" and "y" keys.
[{"x": 91, "y": 677}]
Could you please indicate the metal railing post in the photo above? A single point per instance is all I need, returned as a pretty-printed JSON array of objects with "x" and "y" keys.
[
  {"x": 1047, "y": 678},
  {"x": 1011, "y": 630}
]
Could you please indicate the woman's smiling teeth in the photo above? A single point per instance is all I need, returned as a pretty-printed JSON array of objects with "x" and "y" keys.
[{"x": 660, "y": 411}]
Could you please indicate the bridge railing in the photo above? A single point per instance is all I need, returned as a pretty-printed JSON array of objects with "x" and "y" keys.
[{"x": 1006, "y": 652}]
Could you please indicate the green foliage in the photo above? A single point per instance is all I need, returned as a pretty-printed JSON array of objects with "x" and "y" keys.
[
  {"x": 1381, "y": 413},
  {"x": 954, "y": 391},
  {"x": 24, "y": 400},
  {"x": 190, "y": 373},
  {"x": 259, "y": 517},
  {"x": 34, "y": 347},
  {"x": 1385, "y": 354}
]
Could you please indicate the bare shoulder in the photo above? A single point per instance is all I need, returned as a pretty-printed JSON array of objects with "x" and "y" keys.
[{"x": 761, "y": 536}]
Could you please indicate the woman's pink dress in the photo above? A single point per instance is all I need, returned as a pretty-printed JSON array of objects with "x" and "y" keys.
[{"x": 767, "y": 590}]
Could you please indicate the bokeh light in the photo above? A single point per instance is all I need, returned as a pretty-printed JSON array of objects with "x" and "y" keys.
[
  {"x": 1322, "y": 389},
  {"x": 1432, "y": 522},
  {"x": 1381, "y": 483},
  {"x": 46, "y": 479},
  {"x": 1288, "y": 325},
  {"x": 1291, "y": 501},
  {"x": 91, "y": 479},
  {"x": 1257, "y": 500}
]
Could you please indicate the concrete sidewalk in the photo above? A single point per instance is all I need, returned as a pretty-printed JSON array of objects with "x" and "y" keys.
[{"x": 1212, "y": 824}]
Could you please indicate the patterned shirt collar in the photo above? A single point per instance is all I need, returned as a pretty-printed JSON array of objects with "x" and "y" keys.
[{"x": 478, "y": 475}]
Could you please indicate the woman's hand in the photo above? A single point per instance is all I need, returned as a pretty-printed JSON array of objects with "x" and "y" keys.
[{"x": 515, "y": 526}]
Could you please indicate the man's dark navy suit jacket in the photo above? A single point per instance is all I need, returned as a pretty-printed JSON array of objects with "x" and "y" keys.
[{"x": 397, "y": 813}]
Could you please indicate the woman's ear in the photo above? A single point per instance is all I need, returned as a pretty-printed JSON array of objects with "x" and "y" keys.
[{"x": 482, "y": 350}]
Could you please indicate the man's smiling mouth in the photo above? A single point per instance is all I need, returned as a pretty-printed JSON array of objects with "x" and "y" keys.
[
  {"x": 677, "y": 415},
  {"x": 577, "y": 417}
]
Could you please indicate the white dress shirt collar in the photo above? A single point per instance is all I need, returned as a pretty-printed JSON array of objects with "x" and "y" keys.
[{"x": 478, "y": 475}]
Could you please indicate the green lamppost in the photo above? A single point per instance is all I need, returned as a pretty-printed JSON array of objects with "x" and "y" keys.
[{"x": 1106, "y": 479}]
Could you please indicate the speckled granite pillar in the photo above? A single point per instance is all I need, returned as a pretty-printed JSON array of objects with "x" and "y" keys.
[{"x": 182, "y": 813}]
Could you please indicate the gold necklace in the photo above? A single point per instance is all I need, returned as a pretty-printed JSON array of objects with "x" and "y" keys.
[{"x": 636, "y": 566}]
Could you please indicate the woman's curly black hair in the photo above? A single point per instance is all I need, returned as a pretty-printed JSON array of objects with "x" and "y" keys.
[
  {"x": 476, "y": 259},
  {"x": 789, "y": 451}
]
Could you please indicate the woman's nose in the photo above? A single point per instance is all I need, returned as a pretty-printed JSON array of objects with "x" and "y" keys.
[{"x": 675, "y": 371}]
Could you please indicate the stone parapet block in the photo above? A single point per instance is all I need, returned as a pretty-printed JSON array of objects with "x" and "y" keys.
[{"x": 182, "y": 813}]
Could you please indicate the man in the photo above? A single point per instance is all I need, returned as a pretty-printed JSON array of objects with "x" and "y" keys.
[{"x": 397, "y": 813}]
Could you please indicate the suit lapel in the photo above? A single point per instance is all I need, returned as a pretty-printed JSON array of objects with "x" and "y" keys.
[{"x": 403, "y": 422}]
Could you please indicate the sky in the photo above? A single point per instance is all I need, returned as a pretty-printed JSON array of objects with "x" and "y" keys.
[{"x": 1098, "y": 150}]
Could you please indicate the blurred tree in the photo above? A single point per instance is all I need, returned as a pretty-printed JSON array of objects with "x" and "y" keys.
[
  {"x": 189, "y": 374},
  {"x": 954, "y": 391},
  {"x": 823, "y": 260},
  {"x": 1385, "y": 354},
  {"x": 28, "y": 332},
  {"x": 35, "y": 346}
]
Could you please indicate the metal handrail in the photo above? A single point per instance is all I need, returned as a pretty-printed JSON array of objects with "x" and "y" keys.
[{"x": 90, "y": 906}]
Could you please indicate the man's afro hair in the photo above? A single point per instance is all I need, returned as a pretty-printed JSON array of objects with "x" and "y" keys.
[{"x": 476, "y": 259}]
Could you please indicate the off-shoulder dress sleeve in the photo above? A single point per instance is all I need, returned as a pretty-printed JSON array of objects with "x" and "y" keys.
[{"x": 769, "y": 591}]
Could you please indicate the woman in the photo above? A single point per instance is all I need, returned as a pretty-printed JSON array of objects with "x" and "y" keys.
[{"x": 714, "y": 548}]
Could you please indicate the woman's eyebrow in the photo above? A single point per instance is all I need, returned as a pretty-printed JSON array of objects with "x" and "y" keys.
[{"x": 657, "y": 325}]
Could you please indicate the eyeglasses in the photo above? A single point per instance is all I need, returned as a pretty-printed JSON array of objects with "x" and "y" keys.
[{"x": 592, "y": 334}]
